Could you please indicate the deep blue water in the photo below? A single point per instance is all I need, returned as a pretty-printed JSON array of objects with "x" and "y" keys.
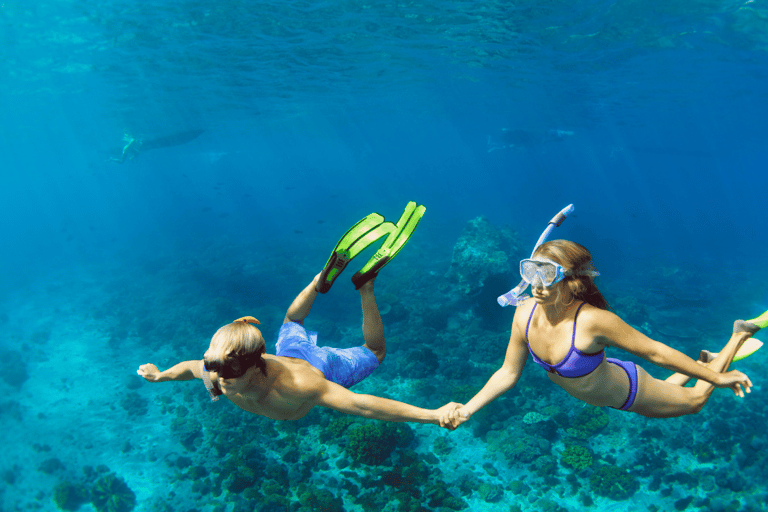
[{"x": 314, "y": 114}]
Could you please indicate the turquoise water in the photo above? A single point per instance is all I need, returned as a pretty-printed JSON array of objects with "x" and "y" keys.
[{"x": 261, "y": 131}]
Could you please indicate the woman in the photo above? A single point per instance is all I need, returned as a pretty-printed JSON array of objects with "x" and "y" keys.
[{"x": 566, "y": 327}]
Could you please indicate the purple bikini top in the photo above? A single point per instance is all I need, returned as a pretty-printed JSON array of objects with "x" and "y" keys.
[{"x": 576, "y": 363}]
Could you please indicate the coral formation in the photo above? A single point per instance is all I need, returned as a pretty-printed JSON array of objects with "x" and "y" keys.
[
  {"x": 481, "y": 251},
  {"x": 70, "y": 496},
  {"x": 188, "y": 431},
  {"x": 50, "y": 466},
  {"x": 134, "y": 404},
  {"x": 576, "y": 457},
  {"x": 517, "y": 446},
  {"x": 421, "y": 362},
  {"x": 373, "y": 443},
  {"x": 613, "y": 482},
  {"x": 588, "y": 422},
  {"x": 532, "y": 418},
  {"x": 14, "y": 374},
  {"x": 491, "y": 493},
  {"x": 313, "y": 499},
  {"x": 111, "y": 494},
  {"x": 438, "y": 495}
]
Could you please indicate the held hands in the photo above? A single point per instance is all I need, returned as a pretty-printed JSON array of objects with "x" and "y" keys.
[
  {"x": 149, "y": 372},
  {"x": 735, "y": 380},
  {"x": 452, "y": 415}
]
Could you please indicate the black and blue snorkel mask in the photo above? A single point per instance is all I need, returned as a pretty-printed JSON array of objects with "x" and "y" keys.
[{"x": 233, "y": 366}]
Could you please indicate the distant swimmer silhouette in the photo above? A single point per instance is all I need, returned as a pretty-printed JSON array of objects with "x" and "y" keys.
[
  {"x": 133, "y": 146},
  {"x": 508, "y": 138}
]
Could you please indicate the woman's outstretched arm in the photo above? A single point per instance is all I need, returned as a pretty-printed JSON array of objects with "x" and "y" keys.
[
  {"x": 500, "y": 382},
  {"x": 608, "y": 329}
]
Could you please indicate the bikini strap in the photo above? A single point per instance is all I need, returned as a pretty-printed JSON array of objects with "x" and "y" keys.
[
  {"x": 528, "y": 325},
  {"x": 573, "y": 337}
]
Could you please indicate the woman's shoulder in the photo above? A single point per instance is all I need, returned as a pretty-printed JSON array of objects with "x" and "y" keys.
[
  {"x": 524, "y": 308},
  {"x": 598, "y": 319},
  {"x": 522, "y": 312}
]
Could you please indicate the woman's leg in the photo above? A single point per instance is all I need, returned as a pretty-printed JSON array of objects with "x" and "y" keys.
[
  {"x": 663, "y": 399},
  {"x": 681, "y": 379},
  {"x": 373, "y": 328}
]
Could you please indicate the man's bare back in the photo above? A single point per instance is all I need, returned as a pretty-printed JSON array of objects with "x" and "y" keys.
[{"x": 288, "y": 391}]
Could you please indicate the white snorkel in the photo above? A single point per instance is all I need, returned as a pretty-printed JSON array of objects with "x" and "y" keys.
[{"x": 515, "y": 296}]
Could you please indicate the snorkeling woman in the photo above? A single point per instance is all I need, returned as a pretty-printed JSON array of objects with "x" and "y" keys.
[{"x": 566, "y": 326}]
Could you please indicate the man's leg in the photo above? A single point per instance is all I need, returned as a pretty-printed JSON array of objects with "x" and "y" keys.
[
  {"x": 373, "y": 328},
  {"x": 299, "y": 308}
]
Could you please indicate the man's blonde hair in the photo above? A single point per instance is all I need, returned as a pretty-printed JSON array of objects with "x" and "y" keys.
[{"x": 239, "y": 338}]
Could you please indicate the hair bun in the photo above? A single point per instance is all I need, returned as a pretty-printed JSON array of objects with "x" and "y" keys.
[{"x": 247, "y": 320}]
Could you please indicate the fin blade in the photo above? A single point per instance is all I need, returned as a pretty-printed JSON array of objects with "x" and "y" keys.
[
  {"x": 400, "y": 235},
  {"x": 342, "y": 254},
  {"x": 748, "y": 348},
  {"x": 761, "y": 321}
]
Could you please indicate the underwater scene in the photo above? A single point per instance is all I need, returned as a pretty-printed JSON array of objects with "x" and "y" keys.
[{"x": 169, "y": 167}]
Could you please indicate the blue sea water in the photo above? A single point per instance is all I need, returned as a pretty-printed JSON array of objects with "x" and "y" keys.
[{"x": 262, "y": 131}]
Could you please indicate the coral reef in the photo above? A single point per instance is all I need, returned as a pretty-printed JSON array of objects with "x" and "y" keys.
[
  {"x": 490, "y": 493},
  {"x": 630, "y": 309},
  {"x": 576, "y": 457},
  {"x": 111, "y": 494},
  {"x": 188, "y": 431},
  {"x": 134, "y": 404},
  {"x": 14, "y": 374},
  {"x": 532, "y": 418},
  {"x": 481, "y": 251},
  {"x": 313, "y": 499},
  {"x": 421, "y": 362},
  {"x": 70, "y": 496},
  {"x": 373, "y": 443},
  {"x": 590, "y": 421},
  {"x": 517, "y": 446},
  {"x": 613, "y": 482},
  {"x": 50, "y": 466},
  {"x": 438, "y": 495}
]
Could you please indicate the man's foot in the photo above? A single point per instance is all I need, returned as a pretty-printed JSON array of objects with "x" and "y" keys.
[{"x": 367, "y": 287}]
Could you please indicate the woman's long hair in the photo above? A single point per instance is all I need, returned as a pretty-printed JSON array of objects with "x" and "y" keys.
[{"x": 575, "y": 257}]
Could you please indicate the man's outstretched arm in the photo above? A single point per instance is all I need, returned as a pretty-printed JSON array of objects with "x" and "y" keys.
[
  {"x": 186, "y": 370},
  {"x": 343, "y": 400}
]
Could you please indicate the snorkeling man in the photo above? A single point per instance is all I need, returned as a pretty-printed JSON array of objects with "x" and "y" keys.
[{"x": 302, "y": 375}]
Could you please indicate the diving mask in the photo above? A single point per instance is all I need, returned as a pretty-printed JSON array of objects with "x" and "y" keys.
[
  {"x": 549, "y": 272},
  {"x": 233, "y": 366}
]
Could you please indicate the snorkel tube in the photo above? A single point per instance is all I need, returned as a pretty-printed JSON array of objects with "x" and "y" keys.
[{"x": 515, "y": 296}]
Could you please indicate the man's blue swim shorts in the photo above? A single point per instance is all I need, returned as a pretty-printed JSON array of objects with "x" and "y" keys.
[{"x": 344, "y": 366}]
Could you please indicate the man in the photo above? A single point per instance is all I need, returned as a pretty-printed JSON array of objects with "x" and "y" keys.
[{"x": 302, "y": 375}]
